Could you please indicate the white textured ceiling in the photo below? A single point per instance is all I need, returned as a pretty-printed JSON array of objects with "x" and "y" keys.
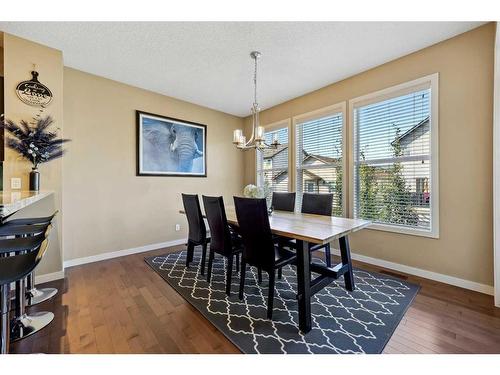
[{"x": 208, "y": 63}]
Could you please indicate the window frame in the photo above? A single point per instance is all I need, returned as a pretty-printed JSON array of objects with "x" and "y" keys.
[
  {"x": 286, "y": 123},
  {"x": 428, "y": 82},
  {"x": 340, "y": 107}
]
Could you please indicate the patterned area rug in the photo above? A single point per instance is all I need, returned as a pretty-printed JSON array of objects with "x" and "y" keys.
[{"x": 342, "y": 322}]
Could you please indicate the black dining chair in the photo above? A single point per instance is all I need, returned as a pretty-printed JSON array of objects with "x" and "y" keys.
[
  {"x": 283, "y": 201},
  {"x": 223, "y": 240},
  {"x": 318, "y": 204},
  {"x": 197, "y": 232},
  {"x": 259, "y": 249}
]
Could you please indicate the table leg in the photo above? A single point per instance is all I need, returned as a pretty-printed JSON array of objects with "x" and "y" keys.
[
  {"x": 345, "y": 254},
  {"x": 304, "y": 285}
]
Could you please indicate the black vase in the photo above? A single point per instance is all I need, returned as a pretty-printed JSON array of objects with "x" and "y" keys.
[{"x": 34, "y": 180}]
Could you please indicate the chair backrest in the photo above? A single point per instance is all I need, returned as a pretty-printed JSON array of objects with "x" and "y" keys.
[
  {"x": 24, "y": 229},
  {"x": 318, "y": 204},
  {"x": 220, "y": 236},
  {"x": 33, "y": 220},
  {"x": 197, "y": 230},
  {"x": 283, "y": 201},
  {"x": 9, "y": 245},
  {"x": 254, "y": 228},
  {"x": 17, "y": 267}
]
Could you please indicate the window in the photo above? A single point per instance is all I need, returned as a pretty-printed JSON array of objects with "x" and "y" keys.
[
  {"x": 272, "y": 164},
  {"x": 395, "y": 158},
  {"x": 319, "y": 155}
]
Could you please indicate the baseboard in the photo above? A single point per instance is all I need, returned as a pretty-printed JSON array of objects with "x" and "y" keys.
[
  {"x": 466, "y": 284},
  {"x": 121, "y": 253},
  {"x": 45, "y": 278}
]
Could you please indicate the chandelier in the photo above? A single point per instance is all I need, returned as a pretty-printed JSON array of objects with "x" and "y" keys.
[{"x": 257, "y": 139}]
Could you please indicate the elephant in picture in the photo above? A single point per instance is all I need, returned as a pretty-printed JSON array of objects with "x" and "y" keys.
[
  {"x": 185, "y": 147},
  {"x": 157, "y": 140}
]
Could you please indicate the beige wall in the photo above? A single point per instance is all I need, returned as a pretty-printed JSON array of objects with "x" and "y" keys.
[
  {"x": 19, "y": 57},
  {"x": 1, "y": 61},
  {"x": 107, "y": 207},
  {"x": 465, "y": 66}
]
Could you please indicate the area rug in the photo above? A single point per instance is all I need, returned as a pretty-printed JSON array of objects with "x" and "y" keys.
[{"x": 361, "y": 321}]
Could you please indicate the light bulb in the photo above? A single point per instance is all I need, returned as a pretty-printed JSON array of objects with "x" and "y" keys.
[
  {"x": 259, "y": 133},
  {"x": 237, "y": 134}
]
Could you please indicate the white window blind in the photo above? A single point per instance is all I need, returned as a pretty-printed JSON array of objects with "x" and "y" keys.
[
  {"x": 319, "y": 156},
  {"x": 272, "y": 164},
  {"x": 392, "y": 161}
]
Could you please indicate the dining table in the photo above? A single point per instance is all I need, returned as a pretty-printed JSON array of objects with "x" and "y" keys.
[{"x": 308, "y": 229}]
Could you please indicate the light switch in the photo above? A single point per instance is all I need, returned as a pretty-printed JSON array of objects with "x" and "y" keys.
[{"x": 15, "y": 183}]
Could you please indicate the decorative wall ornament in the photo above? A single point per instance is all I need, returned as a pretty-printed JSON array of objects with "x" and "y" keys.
[
  {"x": 170, "y": 147},
  {"x": 33, "y": 92}
]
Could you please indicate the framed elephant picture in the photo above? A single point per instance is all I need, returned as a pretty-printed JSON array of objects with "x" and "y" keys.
[{"x": 170, "y": 147}]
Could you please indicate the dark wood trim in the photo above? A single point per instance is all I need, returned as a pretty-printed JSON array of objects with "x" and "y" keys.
[{"x": 138, "y": 127}]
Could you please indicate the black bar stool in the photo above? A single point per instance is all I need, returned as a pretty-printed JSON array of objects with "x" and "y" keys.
[
  {"x": 12, "y": 269},
  {"x": 29, "y": 226},
  {"x": 23, "y": 324}
]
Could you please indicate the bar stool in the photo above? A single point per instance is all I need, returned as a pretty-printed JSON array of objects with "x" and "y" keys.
[
  {"x": 12, "y": 269},
  {"x": 34, "y": 295}
]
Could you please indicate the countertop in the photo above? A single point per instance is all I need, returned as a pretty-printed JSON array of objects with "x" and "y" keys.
[{"x": 13, "y": 201}]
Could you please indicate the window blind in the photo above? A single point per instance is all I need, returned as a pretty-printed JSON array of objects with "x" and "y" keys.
[
  {"x": 392, "y": 161},
  {"x": 272, "y": 164},
  {"x": 319, "y": 159}
]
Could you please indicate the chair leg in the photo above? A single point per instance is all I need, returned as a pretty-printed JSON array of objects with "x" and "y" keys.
[
  {"x": 210, "y": 262},
  {"x": 280, "y": 273},
  {"x": 259, "y": 273},
  {"x": 189, "y": 253},
  {"x": 270, "y": 299},
  {"x": 229, "y": 274},
  {"x": 237, "y": 263},
  {"x": 203, "y": 256},
  {"x": 328, "y": 256},
  {"x": 242, "y": 278}
]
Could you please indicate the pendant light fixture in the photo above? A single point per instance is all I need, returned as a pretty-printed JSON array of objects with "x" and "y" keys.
[{"x": 257, "y": 139}]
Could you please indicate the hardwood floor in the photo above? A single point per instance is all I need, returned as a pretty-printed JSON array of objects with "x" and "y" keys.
[{"x": 122, "y": 306}]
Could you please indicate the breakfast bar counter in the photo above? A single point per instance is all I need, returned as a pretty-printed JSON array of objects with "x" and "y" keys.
[{"x": 13, "y": 201}]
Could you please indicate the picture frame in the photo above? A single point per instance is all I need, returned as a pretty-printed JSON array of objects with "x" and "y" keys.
[{"x": 170, "y": 147}]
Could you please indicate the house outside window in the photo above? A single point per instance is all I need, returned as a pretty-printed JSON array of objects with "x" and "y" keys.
[
  {"x": 394, "y": 152},
  {"x": 319, "y": 139},
  {"x": 272, "y": 164}
]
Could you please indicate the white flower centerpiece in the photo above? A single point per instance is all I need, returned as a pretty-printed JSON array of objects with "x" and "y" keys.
[{"x": 252, "y": 191}]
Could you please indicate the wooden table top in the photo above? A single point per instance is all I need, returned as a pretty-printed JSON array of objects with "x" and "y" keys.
[{"x": 306, "y": 227}]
